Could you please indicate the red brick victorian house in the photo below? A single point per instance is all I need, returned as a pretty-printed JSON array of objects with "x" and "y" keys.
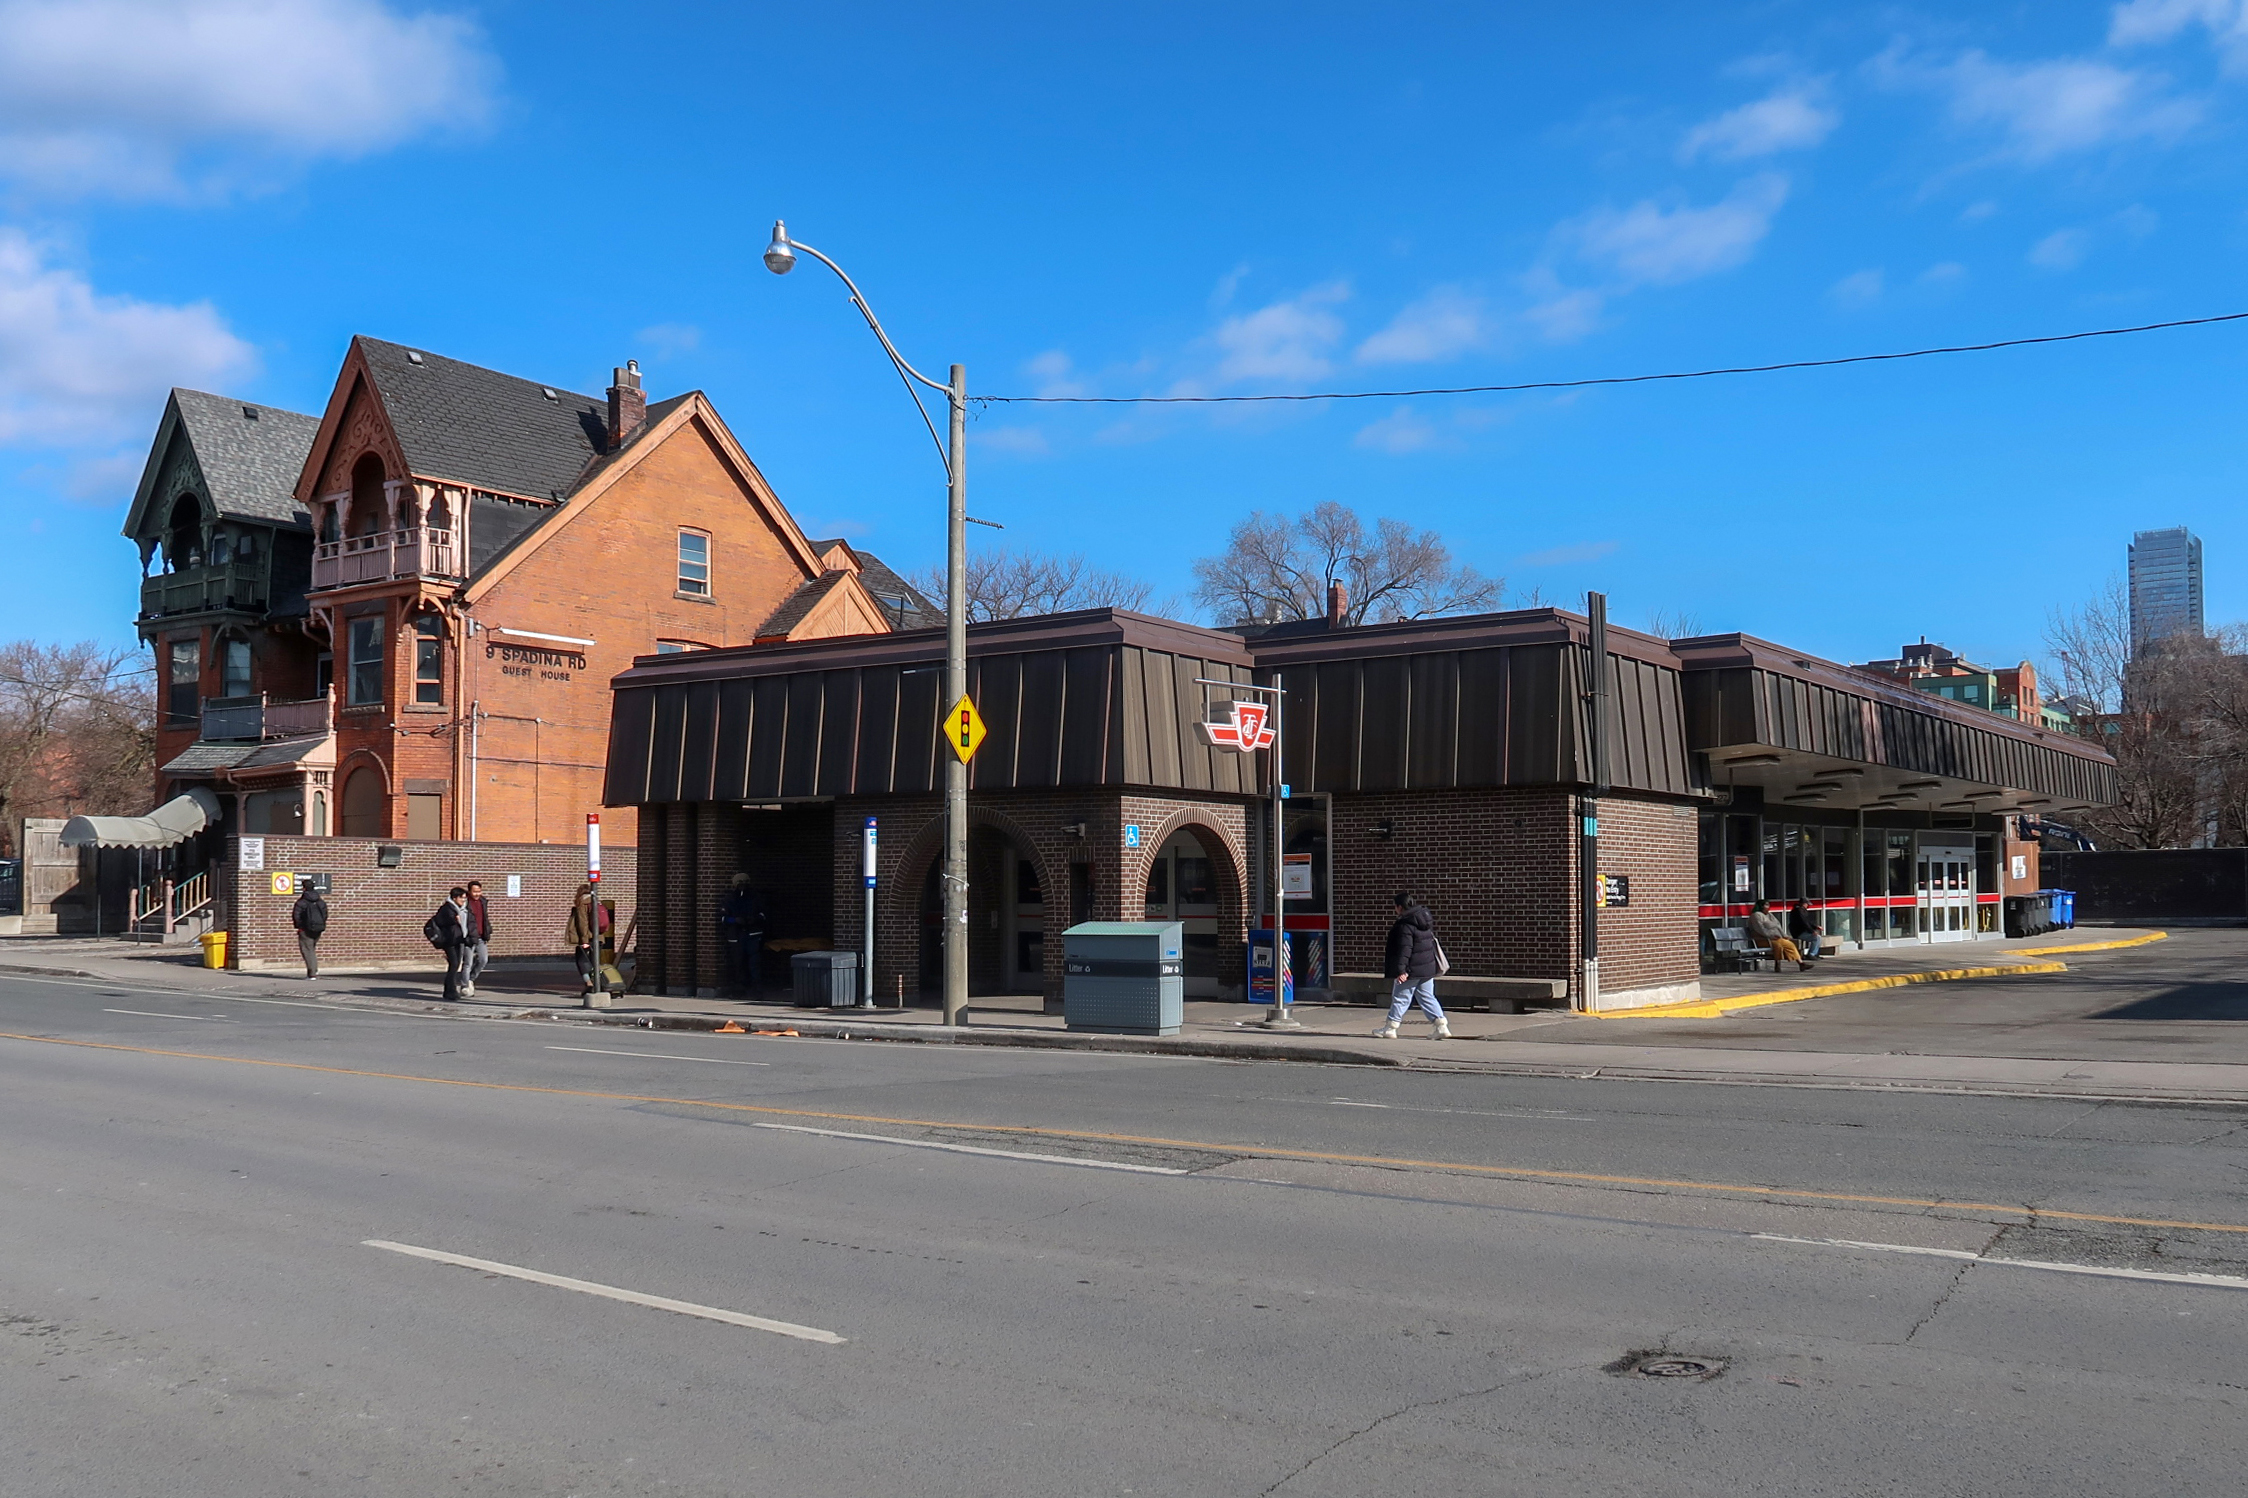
[{"x": 399, "y": 619}]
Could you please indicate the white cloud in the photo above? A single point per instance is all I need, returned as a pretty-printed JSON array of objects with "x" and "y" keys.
[
  {"x": 1028, "y": 442},
  {"x": 2046, "y": 109},
  {"x": 1054, "y": 374},
  {"x": 117, "y": 95},
  {"x": 1789, "y": 119},
  {"x": 1284, "y": 342},
  {"x": 1859, "y": 288},
  {"x": 78, "y": 367},
  {"x": 1659, "y": 244},
  {"x": 1942, "y": 273},
  {"x": 668, "y": 340},
  {"x": 1561, "y": 314},
  {"x": 2148, "y": 22},
  {"x": 1399, "y": 432},
  {"x": 2063, "y": 249},
  {"x": 1446, "y": 322}
]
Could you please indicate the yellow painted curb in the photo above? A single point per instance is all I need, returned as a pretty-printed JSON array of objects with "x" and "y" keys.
[
  {"x": 1718, "y": 1008},
  {"x": 2103, "y": 946}
]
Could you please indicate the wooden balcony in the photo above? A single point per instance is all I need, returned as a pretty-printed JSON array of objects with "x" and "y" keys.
[
  {"x": 422, "y": 551},
  {"x": 258, "y": 718},
  {"x": 239, "y": 586}
]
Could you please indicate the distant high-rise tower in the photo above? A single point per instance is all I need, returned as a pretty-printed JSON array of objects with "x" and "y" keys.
[{"x": 2165, "y": 586}]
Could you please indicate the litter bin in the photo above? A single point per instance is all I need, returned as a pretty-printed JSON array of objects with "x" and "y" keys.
[
  {"x": 2064, "y": 908},
  {"x": 214, "y": 948},
  {"x": 825, "y": 980},
  {"x": 2030, "y": 914},
  {"x": 1124, "y": 977}
]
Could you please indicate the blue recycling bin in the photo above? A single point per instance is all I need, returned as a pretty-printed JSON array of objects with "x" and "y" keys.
[{"x": 2064, "y": 908}]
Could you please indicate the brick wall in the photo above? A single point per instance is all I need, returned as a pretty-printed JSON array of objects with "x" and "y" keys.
[
  {"x": 375, "y": 914},
  {"x": 1499, "y": 869}
]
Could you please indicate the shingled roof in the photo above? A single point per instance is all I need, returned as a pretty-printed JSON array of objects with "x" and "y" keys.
[
  {"x": 487, "y": 430},
  {"x": 250, "y": 455},
  {"x": 899, "y": 599}
]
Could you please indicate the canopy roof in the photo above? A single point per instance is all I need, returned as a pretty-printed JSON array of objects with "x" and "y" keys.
[{"x": 175, "y": 821}]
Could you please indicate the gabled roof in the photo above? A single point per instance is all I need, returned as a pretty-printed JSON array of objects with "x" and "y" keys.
[
  {"x": 250, "y": 456},
  {"x": 478, "y": 427},
  {"x": 798, "y": 604},
  {"x": 903, "y": 603}
]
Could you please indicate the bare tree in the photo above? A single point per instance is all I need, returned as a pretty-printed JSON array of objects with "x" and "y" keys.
[
  {"x": 77, "y": 732},
  {"x": 1673, "y": 624},
  {"x": 2091, "y": 647},
  {"x": 1012, "y": 584},
  {"x": 1275, "y": 567}
]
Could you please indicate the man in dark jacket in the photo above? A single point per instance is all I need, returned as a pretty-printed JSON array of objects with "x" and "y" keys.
[
  {"x": 1413, "y": 959},
  {"x": 741, "y": 930},
  {"x": 479, "y": 954},
  {"x": 310, "y": 916},
  {"x": 448, "y": 932}
]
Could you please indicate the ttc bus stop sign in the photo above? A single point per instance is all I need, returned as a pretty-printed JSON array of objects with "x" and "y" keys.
[{"x": 964, "y": 729}]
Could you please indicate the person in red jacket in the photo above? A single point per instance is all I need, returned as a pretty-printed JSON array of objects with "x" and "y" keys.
[{"x": 476, "y": 953}]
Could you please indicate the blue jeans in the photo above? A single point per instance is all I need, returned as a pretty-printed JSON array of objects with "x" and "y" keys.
[
  {"x": 1808, "y": 943},
  {"x": 1403, "y": 996}
]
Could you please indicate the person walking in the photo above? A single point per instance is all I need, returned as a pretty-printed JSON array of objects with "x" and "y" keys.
[
  {"x": 447, "y": 931},
  {"x": 741, "y": 927},
  {"x": 479, "y": 954},
  {"x": 1804, "y": 930},
  {"x": 1413, "y": 959},
  {"x": 588, "y": 919},
  {"x": 310, "y": 916},
  {"x": 1766, "y": 928}
]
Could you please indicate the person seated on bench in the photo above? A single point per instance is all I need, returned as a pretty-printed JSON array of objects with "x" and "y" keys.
[
  {"x": 1766, "y": 928},
  {"x": 1804, "y": 928}
]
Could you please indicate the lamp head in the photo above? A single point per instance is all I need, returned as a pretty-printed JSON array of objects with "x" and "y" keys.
[{"x": 780, "y": 255}]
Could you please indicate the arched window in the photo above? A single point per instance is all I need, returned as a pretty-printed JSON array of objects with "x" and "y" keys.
[
  {"x": 365, "y": 808},
  {"x": 368, "y": 514},
  {"x": 183, "y": 535}
]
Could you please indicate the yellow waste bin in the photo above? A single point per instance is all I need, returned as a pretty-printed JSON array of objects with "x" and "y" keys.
[{"x": 214, "y": 948}]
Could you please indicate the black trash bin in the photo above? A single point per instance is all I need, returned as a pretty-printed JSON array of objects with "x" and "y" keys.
[{"x": 825, "y": 980}]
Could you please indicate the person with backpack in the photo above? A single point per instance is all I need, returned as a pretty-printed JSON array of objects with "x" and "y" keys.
[
  {"x": 589, "y": 919},
  {"x": 447, "y": 931},
  {"x": 1413, "y": 959},
  {"x": 310, "y": 916}
]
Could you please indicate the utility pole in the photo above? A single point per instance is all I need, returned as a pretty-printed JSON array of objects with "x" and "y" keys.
[
  {"x": 1596, "y": 700},
  {"x": 955, "y": 689}
]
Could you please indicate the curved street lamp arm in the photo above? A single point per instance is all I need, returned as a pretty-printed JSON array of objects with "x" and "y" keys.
[{"x": 906, "y": 371}]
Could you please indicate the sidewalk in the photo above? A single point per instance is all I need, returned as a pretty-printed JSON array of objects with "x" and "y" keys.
[{"x": 1331, "y": 1034}]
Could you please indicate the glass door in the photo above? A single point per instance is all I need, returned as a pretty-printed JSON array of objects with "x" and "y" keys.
[
  {"x": 1180, "y": 887},
  {"x": 1946, "y": 870}
]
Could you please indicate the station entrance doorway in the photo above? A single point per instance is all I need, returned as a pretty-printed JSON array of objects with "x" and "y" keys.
[
  {"x": 1945, "y": 874},
  {"x": 1182, "y": 887}
]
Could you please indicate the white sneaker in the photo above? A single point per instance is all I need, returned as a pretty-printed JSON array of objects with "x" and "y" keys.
[
  {"x": 468, "y": 990},
  {"x": 1443, "y": 1031},
  {"x": 1386, "y": 1032}
]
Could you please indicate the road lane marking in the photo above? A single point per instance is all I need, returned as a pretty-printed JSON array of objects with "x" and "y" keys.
[
  {"x": 970, "y": 1149},
  {"x": 2099, "y": 1271},
  {"x": 1248, "y": 1151},
  {"x": 657, "y": 1055},
  {"x": 152, "y": 1014},
  {"x": 611, "y": 1292}
]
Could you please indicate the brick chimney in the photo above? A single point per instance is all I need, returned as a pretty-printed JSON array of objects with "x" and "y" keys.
[
  {"x": 1338, "y": 604},
  {"x": 628, "y": 405}
]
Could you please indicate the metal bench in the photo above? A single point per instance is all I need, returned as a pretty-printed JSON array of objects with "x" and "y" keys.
[{"x": 1732, "y": 945}]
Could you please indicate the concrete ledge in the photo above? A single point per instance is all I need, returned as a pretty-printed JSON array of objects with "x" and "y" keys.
[{"x": 1668, "y": 995}]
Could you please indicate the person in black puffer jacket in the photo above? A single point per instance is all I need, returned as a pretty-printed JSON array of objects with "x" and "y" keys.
[
  {"x": 310, "y": 916},
  {"x": 1412, "y": 961}
]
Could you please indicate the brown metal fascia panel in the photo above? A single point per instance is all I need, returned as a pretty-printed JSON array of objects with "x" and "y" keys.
[
  {"x": 631, "y": 722},
  {"x": 1132, "y": 716},
  {"x": 1455, "y": 632}
]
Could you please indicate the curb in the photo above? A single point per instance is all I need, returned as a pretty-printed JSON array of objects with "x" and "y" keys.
[
  {"x": 1134, "y": 1045},
  {"x": 1719, "y": 1008},
  {"x": 2106, "y": 946}
]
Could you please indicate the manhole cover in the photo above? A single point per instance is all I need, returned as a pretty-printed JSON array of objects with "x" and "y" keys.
[{"x": 1667, "y": 1366}]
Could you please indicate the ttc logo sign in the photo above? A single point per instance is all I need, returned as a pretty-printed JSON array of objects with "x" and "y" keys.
[{"x": 1246, "y": 729}]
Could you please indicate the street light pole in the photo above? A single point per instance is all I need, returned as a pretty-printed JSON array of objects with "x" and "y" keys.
[{"x": 780, "y": 258}]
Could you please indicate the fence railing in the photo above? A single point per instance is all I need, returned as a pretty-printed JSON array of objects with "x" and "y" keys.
[
  {"x": 162, "y": 906},
  {"x": 260, "y": 717},
  {"x": 419, "y": 551}
]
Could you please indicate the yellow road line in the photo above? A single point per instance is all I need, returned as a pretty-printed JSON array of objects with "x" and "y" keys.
[
  {"x": 2104, "y": 946},
  {"x": 1716, "y": 1008},
  {"x": 1252, "y": 1151}
]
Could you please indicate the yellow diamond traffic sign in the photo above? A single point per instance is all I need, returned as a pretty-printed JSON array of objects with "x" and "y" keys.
[{"x": 964, "y": 729}]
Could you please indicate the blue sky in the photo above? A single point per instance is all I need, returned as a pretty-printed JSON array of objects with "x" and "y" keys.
[{"x": 1207, "y": 198}]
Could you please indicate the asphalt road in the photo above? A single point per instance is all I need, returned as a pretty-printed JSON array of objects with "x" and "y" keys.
[
  {"x": 2181, "y": 999},
  {"x": 1068, "y": 1273}
]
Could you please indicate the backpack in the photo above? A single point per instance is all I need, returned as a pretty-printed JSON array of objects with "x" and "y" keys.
[
  {"x": 315, "y": 917},
  {"x": 432, "y": 934}
]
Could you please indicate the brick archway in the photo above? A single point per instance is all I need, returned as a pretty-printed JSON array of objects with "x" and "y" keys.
[
  {"x": 898, "y": 907},
  {"x": 1229, "y": 866}
]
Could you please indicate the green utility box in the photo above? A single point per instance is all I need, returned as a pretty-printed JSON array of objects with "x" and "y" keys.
[{"x": 1124, "y": 977}]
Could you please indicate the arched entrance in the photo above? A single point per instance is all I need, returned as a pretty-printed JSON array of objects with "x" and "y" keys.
[
  {"x": 365, "y": 805},
  {"x": 1184, "y": 885},
  {"x": 1006, "y": 918}
]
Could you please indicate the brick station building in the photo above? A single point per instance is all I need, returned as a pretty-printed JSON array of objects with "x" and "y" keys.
[{"x": 1446, "y": 756}]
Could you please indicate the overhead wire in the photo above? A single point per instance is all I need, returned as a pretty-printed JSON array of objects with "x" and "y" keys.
[{"x": 1638, "y": 379}]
